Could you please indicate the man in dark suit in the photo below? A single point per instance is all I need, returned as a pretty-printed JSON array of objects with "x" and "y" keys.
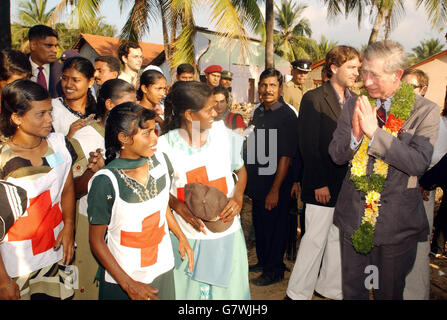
[
  {"x": 393, "y": 218},
  {"x": 322, "y": 178},
  {"x": 43, "y": 50}
]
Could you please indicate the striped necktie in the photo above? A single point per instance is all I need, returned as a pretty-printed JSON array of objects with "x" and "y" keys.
[{"x": 381, "y": 114}]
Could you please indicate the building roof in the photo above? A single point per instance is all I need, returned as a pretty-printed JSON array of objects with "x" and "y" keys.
[
  {"x": 429, "y": 59},
  {"x": 108, "y": 46}
]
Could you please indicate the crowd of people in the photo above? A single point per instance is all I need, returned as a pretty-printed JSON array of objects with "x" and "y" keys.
[{"x": 117, "y": 185}]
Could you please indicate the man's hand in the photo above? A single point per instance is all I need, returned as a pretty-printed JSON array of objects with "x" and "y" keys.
[
  {"x": 368, "y": 116},
  {"x": 356, "y": 129},
  {"x": 271, "y": 201},
  {"x": 322, "y": 195}
]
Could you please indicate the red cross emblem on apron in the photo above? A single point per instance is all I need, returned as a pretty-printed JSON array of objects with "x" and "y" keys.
[
  {"x": 147, "y": 240},
  {"x": 38, "y": 225},
  {"x": 201, "y": 175}
]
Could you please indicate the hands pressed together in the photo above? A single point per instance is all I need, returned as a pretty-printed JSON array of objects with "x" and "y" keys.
[{"x": 364, "y": 119}]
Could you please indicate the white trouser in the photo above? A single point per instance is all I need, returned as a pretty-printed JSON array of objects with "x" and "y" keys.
[
  {"x": 417, "y": 282},
  {"x": 320, "y": 241}
]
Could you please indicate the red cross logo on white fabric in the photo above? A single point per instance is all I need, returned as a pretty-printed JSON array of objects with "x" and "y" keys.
[
  {"x": 147, "y": 240},
  {"x": 201, "y": 175},
  {"x": 38, "y": 225}
]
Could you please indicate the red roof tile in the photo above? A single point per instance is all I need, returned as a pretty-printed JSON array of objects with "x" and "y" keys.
[{"x": 106, "y": 46}]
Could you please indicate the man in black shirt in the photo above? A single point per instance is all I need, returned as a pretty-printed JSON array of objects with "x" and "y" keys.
[{"x": 270, "y": 150}]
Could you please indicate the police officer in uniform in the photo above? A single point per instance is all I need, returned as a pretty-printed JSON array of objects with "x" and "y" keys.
[{"x": 297, "y": 87}]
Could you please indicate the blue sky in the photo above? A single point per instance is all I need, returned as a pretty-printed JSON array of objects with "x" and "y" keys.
[{"x": 413, "y": 27}]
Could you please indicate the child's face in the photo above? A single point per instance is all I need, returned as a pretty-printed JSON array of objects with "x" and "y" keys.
[{"x": 144, "y": 142}]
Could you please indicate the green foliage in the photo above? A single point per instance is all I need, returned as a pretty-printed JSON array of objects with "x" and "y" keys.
[
  {"x": 33, "y": 12},
  {"x": 426, "y": 49},
  {"x": 363, "y": 238}
]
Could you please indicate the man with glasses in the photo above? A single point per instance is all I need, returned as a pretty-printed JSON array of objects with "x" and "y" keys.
[
  {"x": 418, "y": 79},
  {"x": 379, "y": 210}
]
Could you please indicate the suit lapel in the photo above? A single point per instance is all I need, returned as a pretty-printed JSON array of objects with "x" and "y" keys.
[{"x": 331, "y": 99}]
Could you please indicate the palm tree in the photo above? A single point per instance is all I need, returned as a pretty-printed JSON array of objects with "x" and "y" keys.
[
  {"x": 291, "y": 27},
  {"x": 385, "y": 12},
  {"x": 269, "y": 42},
  {"x": 32, "y": 12},
  {"x": 322, "y": 48},
  {"x": 229, "y": 16},
  {"x": 426, "y": 49}
]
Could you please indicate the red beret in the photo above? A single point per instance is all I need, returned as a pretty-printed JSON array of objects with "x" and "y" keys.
[{"x": 213, "y": 68}]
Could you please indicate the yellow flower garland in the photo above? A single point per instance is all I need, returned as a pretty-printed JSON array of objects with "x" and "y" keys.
[{"x": 401, "y": 105}]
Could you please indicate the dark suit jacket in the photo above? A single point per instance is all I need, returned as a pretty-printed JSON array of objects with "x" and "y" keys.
[
  {"x": 401, "y": 214},
  {"x": 319, "y": 111},
  {"x": 55, "y": 75},
  {"x": 55, "y": 88}
]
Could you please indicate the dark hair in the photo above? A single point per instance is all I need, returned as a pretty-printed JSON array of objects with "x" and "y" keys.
[
  {"x": 124, "y": 49},
  {"x": 127, "y": 118},
  {"x": 147, "y": 78},
  {"x": 16, "y": 98},
  {"x": 40, "y": 32},
  {"x": 185, "y": 68},
  {"x": 271, "y": 72},
  {"x": 420, "y": 75},
  {"x": 84, "y": 66},
  {"x": 222, "y": 90},
  {"x": 111, "y": 89},
  {"x": 13, "y": 62},
  {"x": 112, "y": 62},
  {"x": 338, "y": 56},
  {"x": 184, "y": 95}
]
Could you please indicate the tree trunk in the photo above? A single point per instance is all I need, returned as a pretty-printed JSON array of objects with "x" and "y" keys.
[
  {"x": 377, "y": 25},
  {"x": 388, "y": 24},
  {"x": 5, "y": 24},
  {"x": 166, "y": 43},
  {"x": 269, "y": 19}
]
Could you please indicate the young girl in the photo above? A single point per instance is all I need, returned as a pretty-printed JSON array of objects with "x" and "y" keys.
[
  {"x": 232, "y": 120},
  {"x": 32, "y": 260},
  {"x": 153, "y": 88},
  {"x": 128, "y": 201},
  {"x": 78, "y": 106},
  {"x": 88, "y": 143},
  {"x": 203, "y": 151}
]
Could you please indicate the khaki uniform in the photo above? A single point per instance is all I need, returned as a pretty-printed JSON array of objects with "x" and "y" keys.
[{"x": 293, "y": 93}]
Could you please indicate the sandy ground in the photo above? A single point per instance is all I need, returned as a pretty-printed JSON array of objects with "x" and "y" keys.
[{"x": 277, "y": 291}]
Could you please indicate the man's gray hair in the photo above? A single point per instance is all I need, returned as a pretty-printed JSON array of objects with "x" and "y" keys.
[{"x": 392, "y": 52}]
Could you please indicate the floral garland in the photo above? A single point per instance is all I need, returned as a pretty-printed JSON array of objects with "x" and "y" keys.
[{"x": 373, "y": 184}]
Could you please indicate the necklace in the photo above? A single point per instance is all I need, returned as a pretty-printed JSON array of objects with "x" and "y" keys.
[
  {"x": 373, "y": 184},
  {"x": 141, "y": 191},
  {"x": 76, "y": 113},
  {"x": 27, "y": 148}
]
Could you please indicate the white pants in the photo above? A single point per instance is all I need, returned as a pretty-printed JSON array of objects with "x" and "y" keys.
[
  {"x": 417, "y": 282},
  {"x": 321, "y": 241}
]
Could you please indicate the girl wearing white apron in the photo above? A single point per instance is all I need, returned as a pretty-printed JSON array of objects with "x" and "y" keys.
[
  {"x": 128, "y": 202},
  {"x": 209, "y": 153},
  {"x": 32, "y": 260}
]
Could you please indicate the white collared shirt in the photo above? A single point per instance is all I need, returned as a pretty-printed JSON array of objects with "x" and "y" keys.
[{"x": 35, "y": 72}]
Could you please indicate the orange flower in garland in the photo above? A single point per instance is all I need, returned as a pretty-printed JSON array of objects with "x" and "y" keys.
[{"x": 393, "y": 123}]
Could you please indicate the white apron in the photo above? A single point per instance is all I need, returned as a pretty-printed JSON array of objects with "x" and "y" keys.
[
  {"x": 210, "y": 166},
  {"x": 138, "y": 234},
  {"x": 29, "y": 243}
]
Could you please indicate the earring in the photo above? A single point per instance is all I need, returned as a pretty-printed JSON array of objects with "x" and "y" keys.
[{"x": 122, "y": 147}]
